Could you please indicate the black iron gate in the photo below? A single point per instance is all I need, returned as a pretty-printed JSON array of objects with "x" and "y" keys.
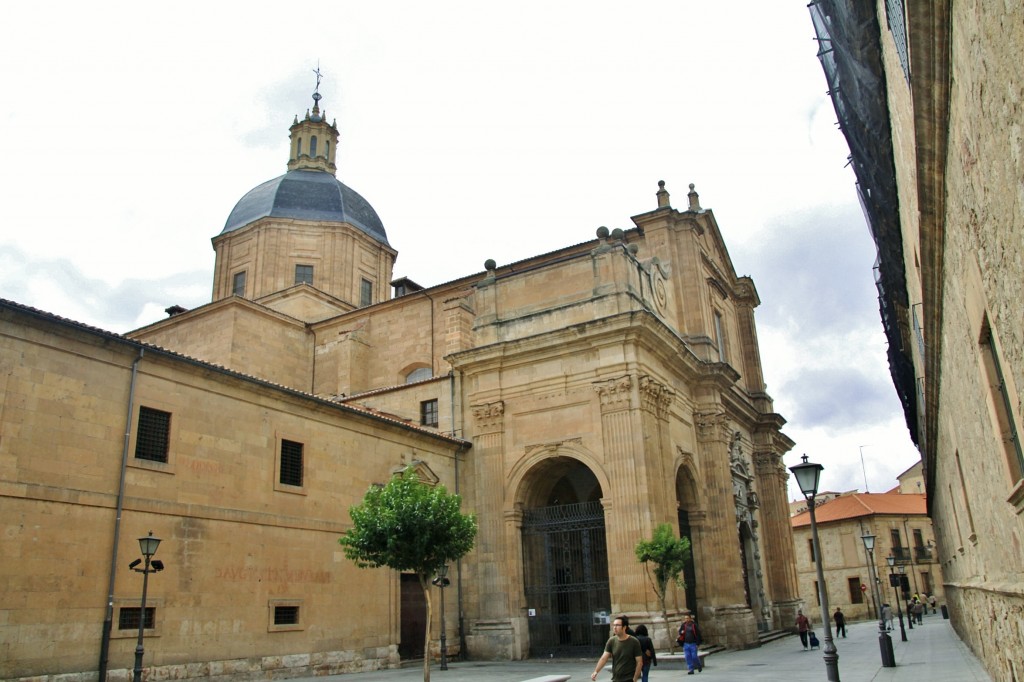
[{"x": 565, "y": 564}]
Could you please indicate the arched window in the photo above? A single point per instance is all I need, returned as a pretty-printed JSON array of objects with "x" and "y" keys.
[
  {"x": 312, "y": 146},
  {"x": 418, "y": 375},
  {"x": 327, "y": 150},
  {"x": 298, "y": 148}
]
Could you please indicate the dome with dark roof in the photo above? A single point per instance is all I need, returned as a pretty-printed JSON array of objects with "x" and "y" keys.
[{"x": 306, "y": 195}]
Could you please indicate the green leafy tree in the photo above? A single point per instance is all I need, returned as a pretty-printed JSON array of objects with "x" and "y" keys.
[
  {"x": 664, "y": 556},
  {"x": 408, "y": 525}
]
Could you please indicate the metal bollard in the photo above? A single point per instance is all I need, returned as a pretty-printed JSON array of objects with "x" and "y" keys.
[{"x": 885, "y": 646}]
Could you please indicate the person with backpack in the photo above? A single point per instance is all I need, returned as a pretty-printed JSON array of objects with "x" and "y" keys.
[
  {"x": 689, "y": 637},
  {"x": 646, "y": 650}
]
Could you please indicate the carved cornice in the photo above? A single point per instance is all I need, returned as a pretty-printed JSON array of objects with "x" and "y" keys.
[
  {"x": 615, "y": 393},
  {"x": 655, "y": 397},
  {"x": 489, "y": 416}
]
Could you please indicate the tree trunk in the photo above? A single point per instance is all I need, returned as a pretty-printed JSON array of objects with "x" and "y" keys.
[
  {"x": 425, "y": 584},
  {"x": 664, "y": 616}
]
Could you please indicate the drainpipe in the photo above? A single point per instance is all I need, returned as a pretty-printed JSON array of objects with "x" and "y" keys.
[{"x": 108, "y": 622}]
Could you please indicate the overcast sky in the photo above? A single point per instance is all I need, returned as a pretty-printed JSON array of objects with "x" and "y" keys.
[{"x": 476, "y": 130}]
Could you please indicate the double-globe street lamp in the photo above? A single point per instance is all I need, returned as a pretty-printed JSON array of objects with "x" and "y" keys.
[
  {"x": 884, "y": 640},
  {"x": 442, "y": 582},
  {"x": 894, "y": 580},
  {"x": 807, "y": 476},
  {"x": 148, "y": 546}
]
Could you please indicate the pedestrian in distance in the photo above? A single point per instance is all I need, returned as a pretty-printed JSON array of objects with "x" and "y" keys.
[
  {"x": 803, "y": 626},
  {"x": 917, "y": 609},
  {"x": 689, "y": 637},
  {"x": 887, "y": 616},
  {"x": 650, "y": 657},
  {"x": 624, "y": 650},
  {"x": 931, "y": 602},
  {"x": 840, "y": 620}
]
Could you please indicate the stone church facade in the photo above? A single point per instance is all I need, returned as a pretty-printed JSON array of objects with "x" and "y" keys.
[{"x": 575, "y": 399}]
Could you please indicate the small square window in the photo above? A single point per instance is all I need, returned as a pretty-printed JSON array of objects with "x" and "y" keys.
[
  {"x": 128, "y": 618},
  {"x": 291, "y": 463},
  {"x": 153, "y": 435},
  {"x": 304, "y": 274},
  {"x": 285, "y": 615},
  {"x": 365, "y": 292},
  {"x": 428, "y": 413},
  {"x": 238, "y": 284}
]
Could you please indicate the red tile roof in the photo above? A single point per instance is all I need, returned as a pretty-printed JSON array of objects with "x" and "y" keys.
[{"x": 863, "y": 504}]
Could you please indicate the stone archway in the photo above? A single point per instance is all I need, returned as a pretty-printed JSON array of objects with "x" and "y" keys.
[
  {"x": 689, "y": 512},
  {"x": 565, "y": 559}
]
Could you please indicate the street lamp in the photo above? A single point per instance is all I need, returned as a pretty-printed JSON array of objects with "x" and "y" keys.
[
  {"x": 807, "y": 476},
  {"x": 148, "y": 546},
  {"x": 442, "y": 582},
  {"x": 884, "y": 641},
  {"x": 894, "y": 581}
]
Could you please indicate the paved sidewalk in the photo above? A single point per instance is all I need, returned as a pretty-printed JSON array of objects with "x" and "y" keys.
[{"x": 933, "y": 652}]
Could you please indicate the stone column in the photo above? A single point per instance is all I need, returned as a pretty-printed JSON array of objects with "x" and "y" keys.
[
  {"x": 777, "y": 537},
  {"x": 726, "y": 617},
  {"x": 624, "y": 505},
  {"x": 490, "y": 629}
]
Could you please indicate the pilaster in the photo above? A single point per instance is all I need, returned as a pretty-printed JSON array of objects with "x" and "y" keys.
[{"x": 776, "y": 531}]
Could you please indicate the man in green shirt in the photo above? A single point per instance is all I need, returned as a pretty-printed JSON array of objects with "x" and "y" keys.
[{"x": 624, "y": 650}]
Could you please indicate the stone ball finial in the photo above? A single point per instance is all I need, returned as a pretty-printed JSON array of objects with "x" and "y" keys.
[
  {"x": 489, "y": 264},
  {"x": 661, "y": 184},
  {"x": 602, "y": 232},
  {"x": 692, "y": 186},
  {"x": 633, "y": 249},
  {"x": 618, "y": 234}
]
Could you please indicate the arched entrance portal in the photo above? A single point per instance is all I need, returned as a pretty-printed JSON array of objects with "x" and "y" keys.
[
  {"x": 565, "y": 560},
  {"x": 687, "y": 499}
]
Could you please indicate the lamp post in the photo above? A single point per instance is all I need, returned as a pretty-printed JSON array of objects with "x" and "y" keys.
[
  {"x": 148, "y": 546},
  {"x": 442, "y": 582},
  {"x": 894, "y": 581},
  {"x": 884, "y": 640},
  {"x": 807, "y": 476},
  {"x": 869, "y": 545},
  {"x": 902, "y": 568}
]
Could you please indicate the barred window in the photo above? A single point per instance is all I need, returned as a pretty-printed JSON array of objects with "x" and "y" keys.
[
  {"x": 128, "y": 617},
  {"x": 303, "y": 274},
  {"x": 286, "y": 615},
  {"x": 428, "y": 413},
  {"x": 153, "y": 435},
  {"x": 291, "y": 463}
]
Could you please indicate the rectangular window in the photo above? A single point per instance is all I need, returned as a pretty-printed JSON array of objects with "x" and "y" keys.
[
  {"x": 152, "y": 440},
  {"x": 286, "y": 615},
  {"x": 304, "y": 274},
  {"x": 810, "y": 549},
  {"x": 817, "y": 593},
  {"x": 238, "y": 284},
  {"x": 428, "y": 413},
  {"x": 1002, "y": 404},
  {"x": 719, "y": 337},
  {"x": 291, "y": 463},
  {"x": 856, "y": 594},
  {"x": 128, "y": 618},
  {"x": 365, "y": 292}
]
